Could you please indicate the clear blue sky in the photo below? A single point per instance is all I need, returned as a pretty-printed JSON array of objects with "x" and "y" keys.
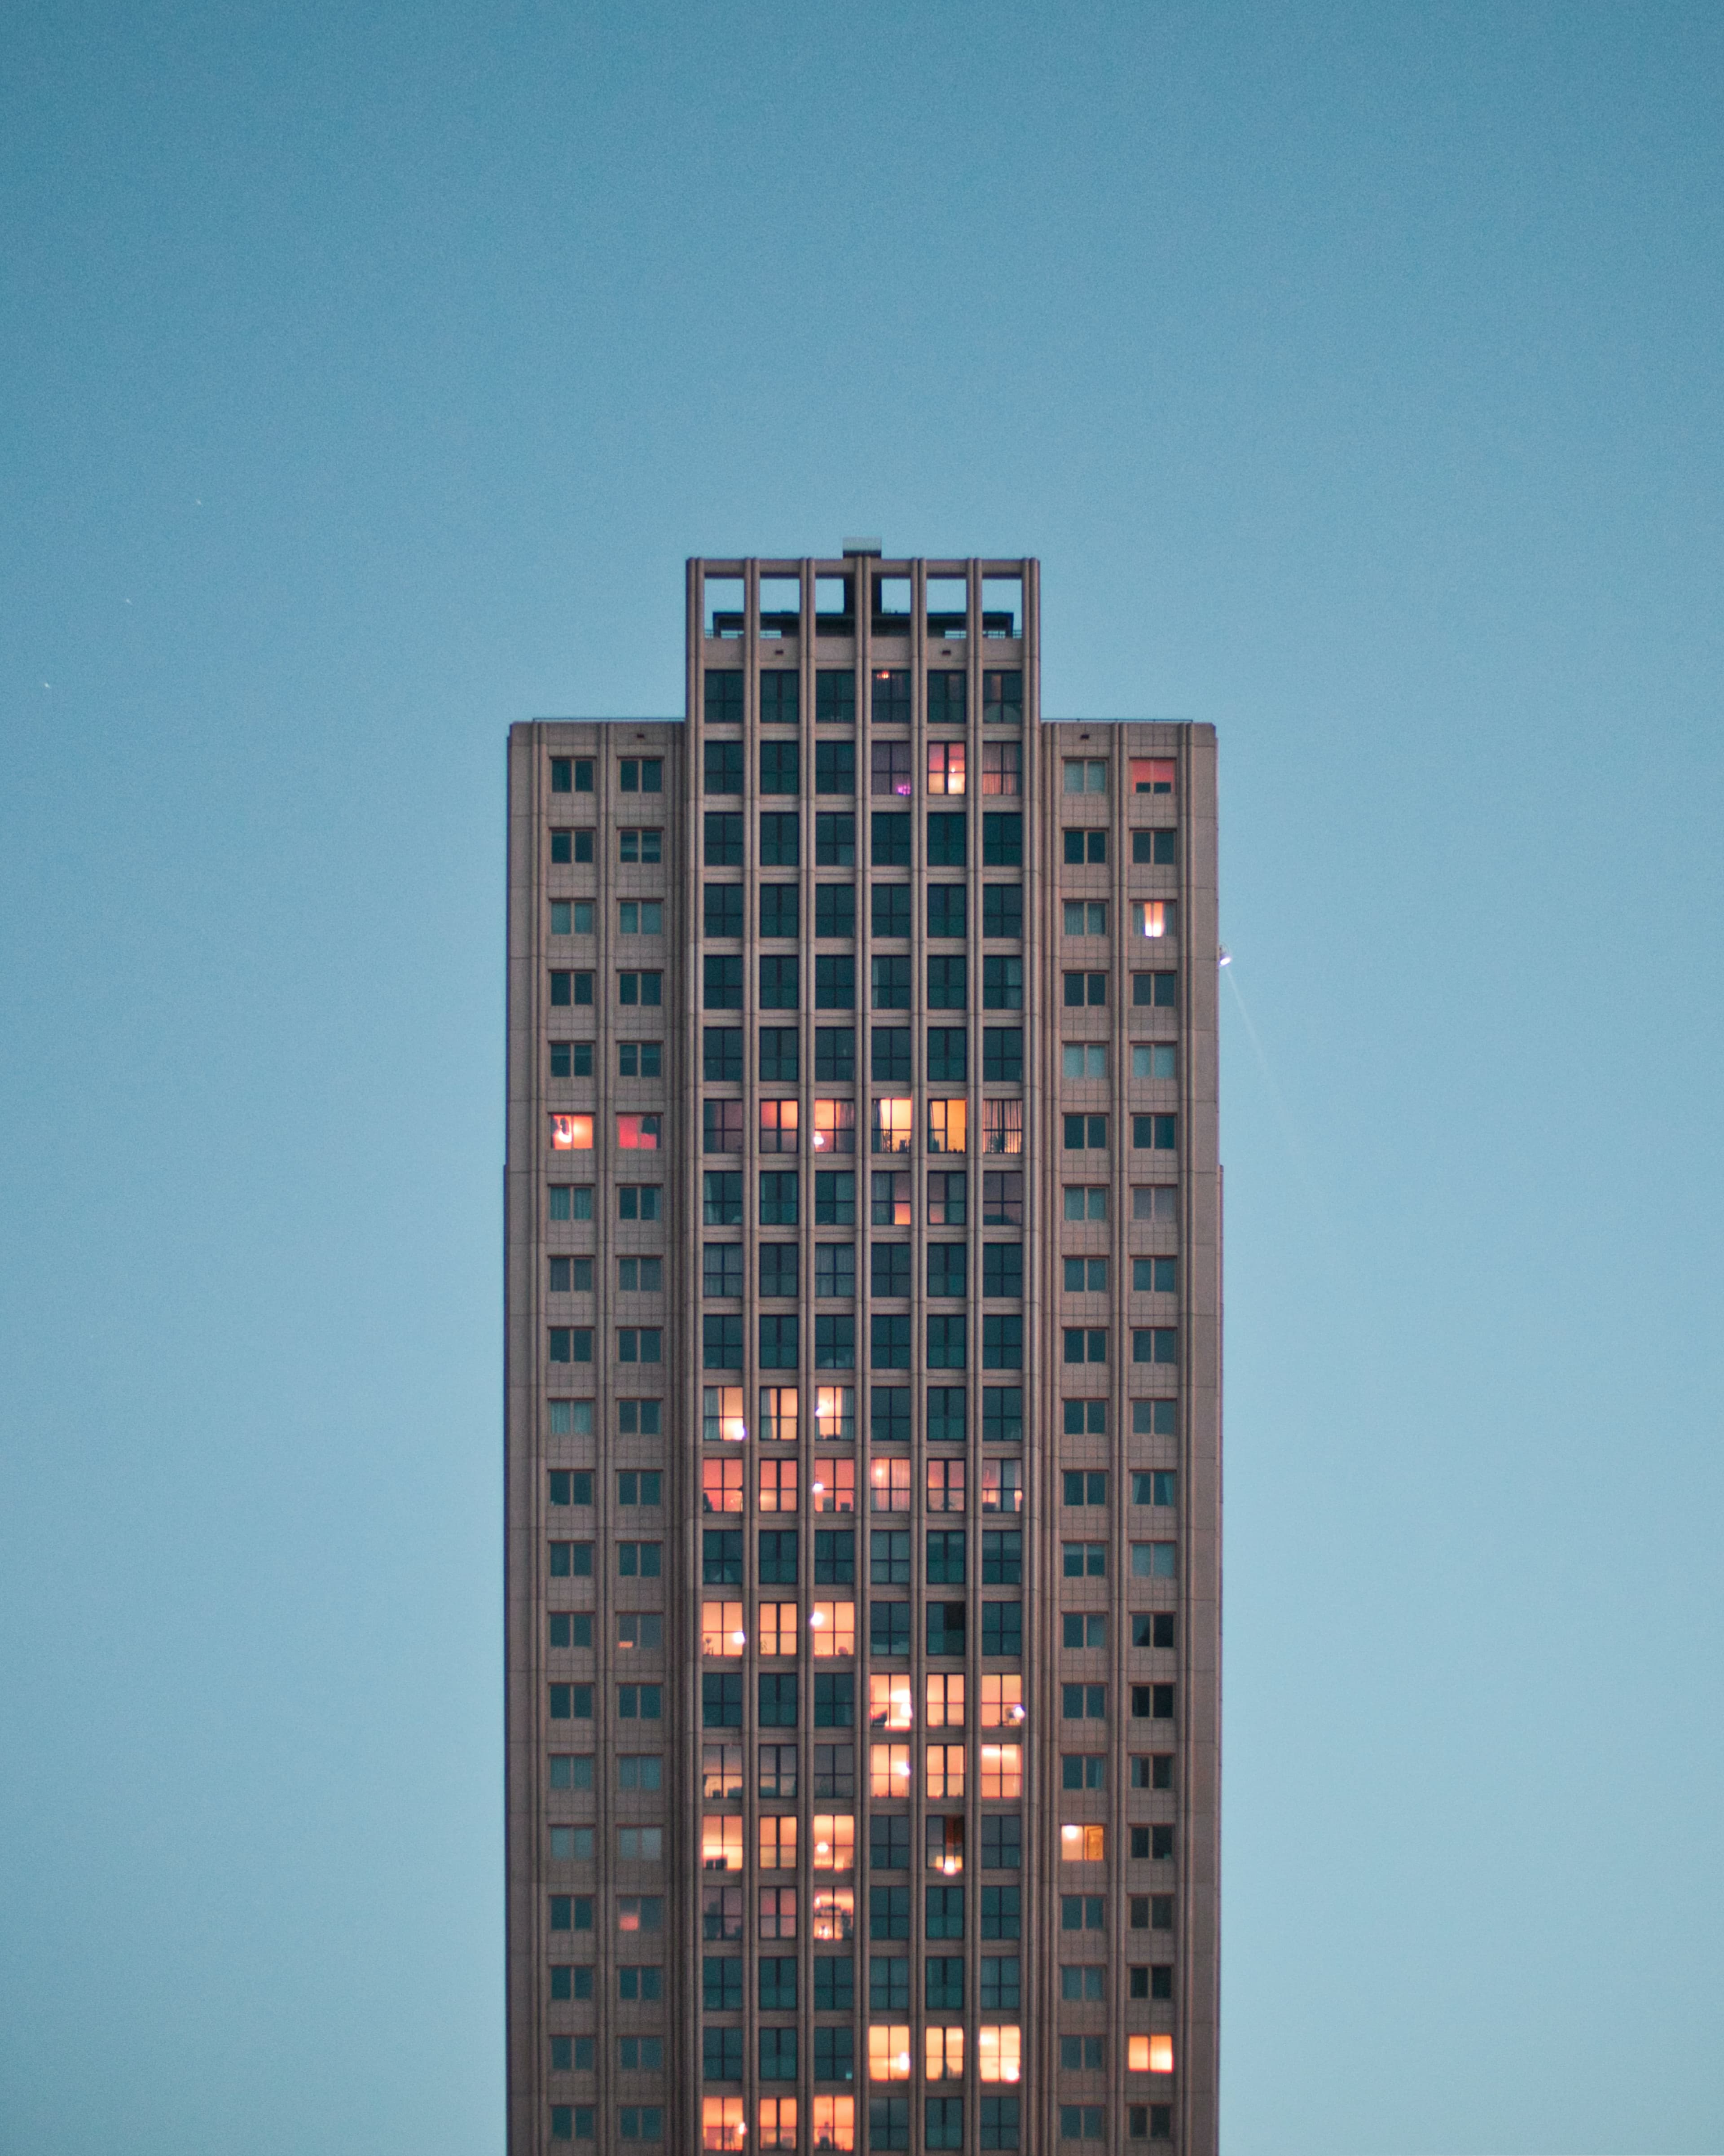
[{"x": 366, "y": 374}]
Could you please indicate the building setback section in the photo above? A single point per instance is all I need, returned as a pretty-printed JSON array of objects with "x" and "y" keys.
[{"x": 863, "y": 1393}]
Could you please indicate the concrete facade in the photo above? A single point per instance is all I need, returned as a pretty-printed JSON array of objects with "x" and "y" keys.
[{"x": 863, "y": 1500}]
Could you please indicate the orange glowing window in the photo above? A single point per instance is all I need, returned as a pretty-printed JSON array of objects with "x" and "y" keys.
[
  {"x": 777, "y": 1912},
  {"x": 571, "y": 1134},
  {"x": 638, "y": 1133},
  {"x": 777, "y": 1486},
  {"x": 835, "y": 1127},
  {"x": 946, "y": 767},
  {"x": 722, "y": 2125},
  {"x": 835, "y": 1416},
  {"x": 1156, "y": 916},
  {"x": 835, "y": 2125},
  {"x": 778, "y": 1628},
  {"x": 833, "y": 1626},
  {"x": 1001, "y": 1770},
  {"x": 996, "y": 2051},
  {"x": 720, "y": 1842},
  {"x": 888, "y": 2054},
  {"x": 943, "y": 2054},
  {"x": 888, "y": 1770},
  {"x": 891, "y": 1704},
  {"x": 1149, "y": 2054},
  {"x": 721, "y": 1419},
  {"x": 1152, "y": 774},
  {"x": 835, "y": 1913},
  {"x": 778, "y": 1125},
  {"x": 948, "y": 1125},
  {"x": 834, "y": 1841},
  {"x": 721, "y": 1628},
  {"x": 894, "y": 1123},
  {"x": 1083, "y": 1845},
  {"x": 889, "y": 1485},
  {"x": 945, "y": 1770},
  {"x": 946, "y": 1702},
  {"x": 946, "y": 1486},
  {"x": 778, "y": 1416},
  {"x": 1001, "y": 1703},
  {"x": 777, "y": 2123},
  {"x": 1002, "y": 767},
  {"x": 721, "y": 1485},
  {"x": 834, "y": 1485},
  {"x": 778, "y": 1842}
]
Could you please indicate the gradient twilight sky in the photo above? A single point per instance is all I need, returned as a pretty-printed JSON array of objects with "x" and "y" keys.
[{"x": 365, "y": 375}]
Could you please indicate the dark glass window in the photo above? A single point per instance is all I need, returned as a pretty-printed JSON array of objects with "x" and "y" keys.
[
  {"x": 1002, "y": 839},
  {"x": 780, "y": 697},
  {"x": 947, "y": 838},
  {"x": 780, "y": 839},
  {"x": 721, "y": 909},
  {"x": 724, "y": 840},
  {"x": 723, "y": 697},
  {"x": 835, "y": 909},
  {"x": 948, "y": 909},
  {"x": 835, "y": 767},
  {"x": 780, "y": 766},
  {"x": 834, "y": 840},
  {"x": 834, "y": 698},
  {"x": 890, "y": 838},
  {"x": 724, "y": 767}
]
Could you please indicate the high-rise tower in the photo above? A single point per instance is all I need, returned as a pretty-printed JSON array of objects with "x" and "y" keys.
[{"x": 864, "y": 1393}]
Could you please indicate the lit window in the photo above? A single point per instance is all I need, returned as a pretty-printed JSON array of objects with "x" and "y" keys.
[
  {"x": 889, "y": 1485},
  {"x": 1083, "y": 1845},
  {"x": 722, "y": 2122},
  {"x": 1156, "y": 916},
  {"x": 1003, "y": 1127},
  {"x": 835, "y": 2125},
  {"x": 835, "y": 1911},
  {"x": 1149, "y": 2054},
  {"x": 834, "y": 1626},
  {"x": 1085, "y": 775},
  {"x": 835, "y": 1422},
  {"x": 948, "y": 1125},
  {"x": 720, "y": 1839},
  {"x": 721, "y": 1771},
  {"x": 944, "y": 1765},
  {"x": 833, "y": 1487},
  {"x": 946, "y": 1702},
  {"x": 778, "y": 1125},
  {"x": 777, "y": 2113},
  {"x": 721, "y": 1485},
  {"x": 891, "y": 1704},
  {"x": 834, "y": 1841},
  {"x": 778, "y": 1485},
  {"x": 943, "y": 2054},
  {"x": 777, "y": 1842},
  {"x": 638, "y": 1133},
  {"x": 834, "y": 1126},
  {"x": 721, "y": 1414},
  {"x": 1002, "y": 1704},
  {"x": 894, "y": 1123},
  {"x": 1151, "y": 774},
  {"x": 888, "y": 1770},
  {"x": 888, "y": 2051},
  {"x": 946, "y": 767},
  {"x": 1002, "y": 767},
  {"x": 571, "y": 1134},
  {"x": 997, "y": 2051},
  {"x": 1001, "y": 1770},
  {"x": 721, "y": 1628},
  {"x": 946, "y": 1486},
  {"x": 1002, "y": 1485},
  {"x": 777, "y": 1912}
]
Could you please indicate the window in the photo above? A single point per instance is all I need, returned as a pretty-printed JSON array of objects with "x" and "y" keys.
[
  {"x": 834, "y": 1132},
  {"x": 780, "y": 765},
  {"x": 780, "y": 839},
  {"x": 1002, "y": 767},
  {"x": 889, "y": 767},
  {"x": 948, "y": 844},
  {"x": 570, "y": 1702},
  {"x": 1155, "y": 917},
  {"x": 835, "y": 1423},
  {"x": 890, "y": 984},
  {"x": 889, "y": 839},
  {"x": 777, "y": 1555},
  {"x": 640, "y": 1058},
  {"x": 778, "y": 1125},
  {"x": 1085, "y": 775},
  {"x": 642, "y": 1343},
  {"x": 1159, "y": 1059},
  {"x": 721, "y": 1557},
  {"x": 947, "y": 698},
  {"x": 834, "y": 840},
  {"x": 834, "y": 1557},
  {"x": 639, "y": 1845},
  {"x": 572, "y": 775},
  {"x": 888, "y": 1557},
  {"x": 571, "y": 1201},
  {"x": 778, "y": 1700},
  {"x": 889, "y": 1485},
  {"x": 1002, "y": 1485},
  {"x": 1080, "y": 990},
  {"x": 571, "y": 1276},
  {"x": 568, "y": 846},
  {"x": 638, "y": 1276},
  {"x": 721, "y": 1635},
  {"x": 1159, "y": 1343},
  {"x": 1002, "y": 700},
  {"x": 723, "y": 841},
  {"x": 1085, "y": 917},
  {"x": 834, "y": 1048},
  {"x": 779, "y": 910},
  {"x": 1154, "y": 1560},
  {"x": 948, "y": 1124},
  {"x": 640, "y": 917},
  {"x": 948, "y": 909},
  {"x": 946, "y": 767},
  {"x": 780, "y": 698},
  {"x": 891, "y": 696},
  {"x": 1152, "y": 774},
  {"x": 571, "y": 990},
  {"x": 945, "y": 1636},
  {"x": 778, "y": 1839},
  {"x": 778, "y": 1195},
  {"x": 1083, "y": 1060},
  {"x": 1155, "y": 1276},
  {"x": 571, "y": 916},
  {"x": 834, "y": 698},
  {"x": 721, "y": 1126},
  {"x": 723, "y": 768},
  {"x": 646, "y": 989},
  {"x": 779, "y": 979},
  {"x": 1002, "y": 840},
  {"x": 1081, "y": 1133},
  {"x": 835, "y": 906},
  {"x": 571, "y": 1344},
  {"x": 1156, "y": 1133},
  {"x": 1156, "y": 991},
  {"x": 1084, "y": 1276}
]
